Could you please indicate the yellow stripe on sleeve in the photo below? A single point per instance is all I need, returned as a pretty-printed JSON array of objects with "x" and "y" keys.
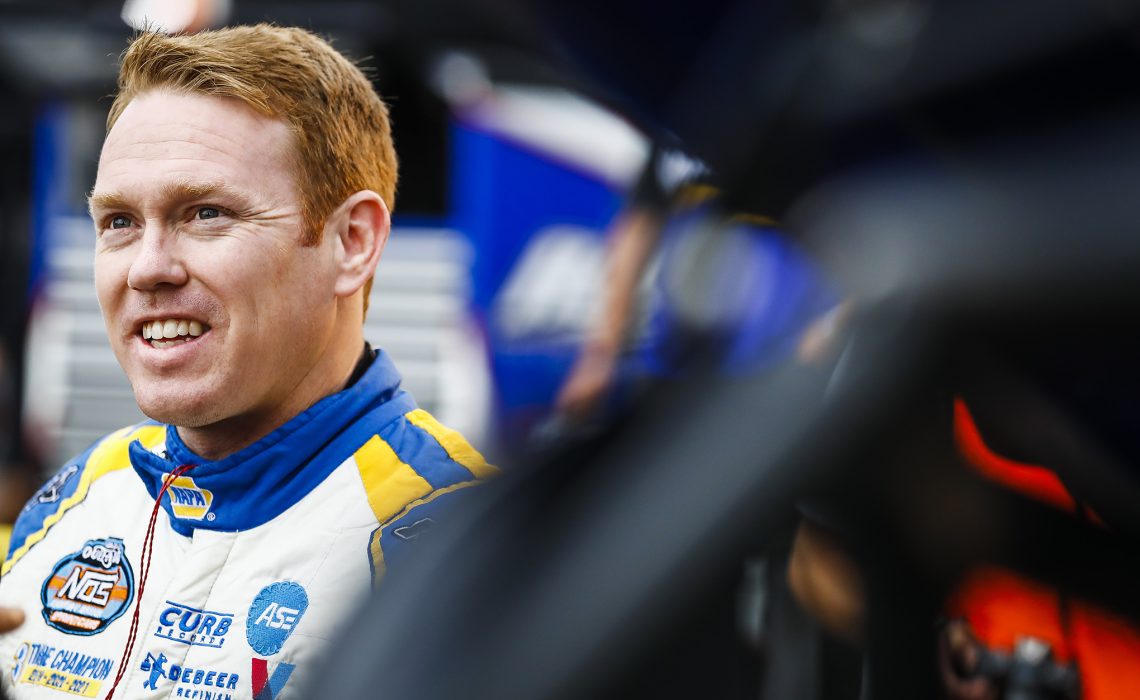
[
  {"x": 5, "y": 539},
  {"x": 379, "y": 567},
  {"x": 455, "y": 444},
  {"x": 110, "y": 456},
  {"x": 390, "y": 483}
]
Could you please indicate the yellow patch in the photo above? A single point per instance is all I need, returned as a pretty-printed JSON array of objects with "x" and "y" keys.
[
  {"x": 388, "y": 481},
  {"x": 60, "y": 680}
]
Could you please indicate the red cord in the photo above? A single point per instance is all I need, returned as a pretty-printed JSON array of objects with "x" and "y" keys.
[{"x": 144, "y": 563}]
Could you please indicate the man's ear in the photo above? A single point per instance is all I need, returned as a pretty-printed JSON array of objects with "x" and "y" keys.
[{"x": 361, "y": 226}]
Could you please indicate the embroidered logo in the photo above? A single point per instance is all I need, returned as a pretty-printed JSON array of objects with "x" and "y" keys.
[
  {"x": 411, "y": 532},
  {"x": 187, "y": 499},
  {"x": 52, "y": 490},
  {"x": 89, "y": 589},
  {"x": 60, "y": 669},
  {"x": 266, "y": 687},
  {"x": 191, "y": 682},
  {"x": 274, "y": 614},
  {"x": 192, "y": 626}
]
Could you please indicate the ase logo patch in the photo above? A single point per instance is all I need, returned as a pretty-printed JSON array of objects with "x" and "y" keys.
[
  {"x": 89, "y": 589},
  {"x": 273, "y": 615}
]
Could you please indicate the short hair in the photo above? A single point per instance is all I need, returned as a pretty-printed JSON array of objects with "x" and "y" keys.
[{"x": 343, "y": 140}]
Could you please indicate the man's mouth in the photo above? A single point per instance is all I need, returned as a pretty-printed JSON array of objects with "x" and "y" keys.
[{"x": 170, "y": 332}]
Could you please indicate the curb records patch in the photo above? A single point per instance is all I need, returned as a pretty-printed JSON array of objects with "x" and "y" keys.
[
  {"x": 273, "y": 614},
  {"x": 89, "y": 589}
]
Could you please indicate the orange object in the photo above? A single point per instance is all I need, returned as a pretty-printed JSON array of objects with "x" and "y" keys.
[
  {"x": 1030, "y": 479},
  {"x": 1002, "y": 606}
]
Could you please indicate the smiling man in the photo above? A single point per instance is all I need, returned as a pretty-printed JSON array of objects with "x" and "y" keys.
[{"x": 241, "y": 206}]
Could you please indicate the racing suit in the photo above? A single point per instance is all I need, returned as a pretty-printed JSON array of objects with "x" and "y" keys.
[{"x": 257, "y": 559}]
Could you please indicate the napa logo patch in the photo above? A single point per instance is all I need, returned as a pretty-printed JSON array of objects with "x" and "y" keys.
[
  {"x": 188, "y": 625},
  {"x": 89, "y": 589},
  {"x": 274, "y": 615},
  {"x": 188, "y": 500}
]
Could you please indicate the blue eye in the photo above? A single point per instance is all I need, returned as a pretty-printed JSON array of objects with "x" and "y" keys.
[
  {"x": 208, "y": 213},
  {"x": 120, "y": 222}
]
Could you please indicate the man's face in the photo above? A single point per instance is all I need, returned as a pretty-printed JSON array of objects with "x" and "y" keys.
[{"x": 215, "y": 311}]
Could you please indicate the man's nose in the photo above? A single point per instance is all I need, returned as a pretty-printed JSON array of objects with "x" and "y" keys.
[{"x": 158, "y": 261}]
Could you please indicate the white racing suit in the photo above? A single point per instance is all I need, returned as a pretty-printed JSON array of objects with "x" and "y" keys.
[{"x": 257, "y": 558}]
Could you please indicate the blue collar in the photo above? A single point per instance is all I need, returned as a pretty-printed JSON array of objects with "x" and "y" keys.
[{"x": 256, "y": 484}]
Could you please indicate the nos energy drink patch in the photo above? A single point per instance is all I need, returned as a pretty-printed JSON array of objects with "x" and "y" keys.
[{"x": 89, "y": 589}]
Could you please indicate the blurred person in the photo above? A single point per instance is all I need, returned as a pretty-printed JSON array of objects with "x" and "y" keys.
[
  {"x": 633, "y": 238},
  {"x": 241, "y": 206},
  {"x": 769, "y": 304},
  {"x": 765, "y": 289}
]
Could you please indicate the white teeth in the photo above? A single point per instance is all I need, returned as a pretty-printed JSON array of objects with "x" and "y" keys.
[{"x": 163, "y": 334}]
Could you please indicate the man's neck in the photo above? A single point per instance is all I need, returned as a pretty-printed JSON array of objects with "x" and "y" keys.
[{"x": 223, "y": 438}]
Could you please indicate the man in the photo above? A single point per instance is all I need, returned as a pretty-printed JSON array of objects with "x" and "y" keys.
[{"x": 241, "y": 206}]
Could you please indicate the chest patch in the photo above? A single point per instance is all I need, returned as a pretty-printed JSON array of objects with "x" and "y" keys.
[
  {"x": 273, "y": 616},
  {"x": 89, "y": 589},
  {"x": 188, "y": 500},
  {"x": 192, "y": 626}
]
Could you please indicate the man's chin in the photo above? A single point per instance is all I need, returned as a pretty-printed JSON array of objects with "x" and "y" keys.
[{"x": 182, "y": 412}]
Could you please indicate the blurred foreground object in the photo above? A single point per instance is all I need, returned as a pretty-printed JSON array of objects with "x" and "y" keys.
[{"x": 968, "y": 172}]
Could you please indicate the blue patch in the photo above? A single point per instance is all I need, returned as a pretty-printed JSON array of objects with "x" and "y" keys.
[
  {"x": 199, "y": 628},
  {"x": 274, "y": 615},
  {"x": 191, "y": 682},
  {"x": 89, "y": 589}
]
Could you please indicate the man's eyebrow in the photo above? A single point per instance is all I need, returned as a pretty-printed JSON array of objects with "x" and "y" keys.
[
  {"x": 104, "y": 201},
  {"x": 173, "y": 192}
]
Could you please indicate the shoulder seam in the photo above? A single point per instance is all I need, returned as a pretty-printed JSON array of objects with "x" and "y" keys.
[{"x": 453, "y": 443}]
